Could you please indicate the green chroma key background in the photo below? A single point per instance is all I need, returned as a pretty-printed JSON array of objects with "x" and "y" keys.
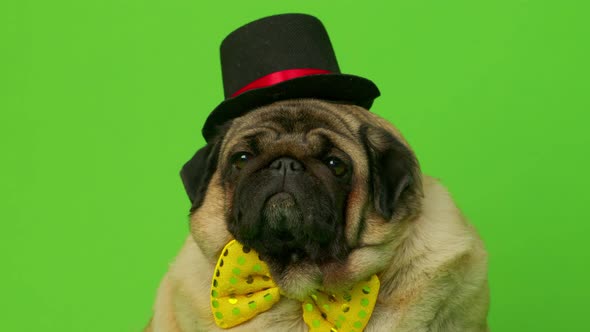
[{"x": 101, "y": 102}]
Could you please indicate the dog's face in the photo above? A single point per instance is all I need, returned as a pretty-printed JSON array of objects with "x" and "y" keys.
[{"x": 320, "y": 190}]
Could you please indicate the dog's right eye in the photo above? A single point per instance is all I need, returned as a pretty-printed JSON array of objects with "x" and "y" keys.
[{"x": 239, "y": 160}]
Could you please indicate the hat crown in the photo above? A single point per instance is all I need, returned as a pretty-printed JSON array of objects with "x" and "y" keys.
[{"x": 273, "y": 44}]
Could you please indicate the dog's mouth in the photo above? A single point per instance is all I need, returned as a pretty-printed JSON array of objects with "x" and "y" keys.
[
  {"x": 288, "y": 237},
  {"x": 290, "y": 226},
  {"x": 281, "y": 199},
  {"x": 282, "y": 216}
]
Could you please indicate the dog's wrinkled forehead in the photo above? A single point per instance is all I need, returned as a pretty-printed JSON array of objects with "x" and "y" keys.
[{"x": 311, "y": 123}]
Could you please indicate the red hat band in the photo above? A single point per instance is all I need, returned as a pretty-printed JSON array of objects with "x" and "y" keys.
[{"x": 278, "y": 77}]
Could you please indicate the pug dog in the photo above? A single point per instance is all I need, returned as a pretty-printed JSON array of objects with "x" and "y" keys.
[{"x": 328, "y": 194}]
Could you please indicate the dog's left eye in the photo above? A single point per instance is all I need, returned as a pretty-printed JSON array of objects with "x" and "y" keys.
[
  {"x": 240, "y": 159},
  {"x": 337, "y": 166}
]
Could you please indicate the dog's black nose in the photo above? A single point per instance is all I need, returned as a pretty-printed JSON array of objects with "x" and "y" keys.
[{"x": 285, "y": 165}]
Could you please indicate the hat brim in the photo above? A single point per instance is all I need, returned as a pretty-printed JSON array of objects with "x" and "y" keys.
[{"x": 334, "y": 87}]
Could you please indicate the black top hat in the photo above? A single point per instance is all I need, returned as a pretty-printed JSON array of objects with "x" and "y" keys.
[{"x": 282, "y": 57}]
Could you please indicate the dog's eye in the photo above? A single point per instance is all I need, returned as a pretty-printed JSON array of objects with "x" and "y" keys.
[
  {"x": 337, "y": 166},
  {"x": 240, "y": 159}
]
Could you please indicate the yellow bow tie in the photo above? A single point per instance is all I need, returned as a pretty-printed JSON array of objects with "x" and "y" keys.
[{"x": 242, "y": 288}]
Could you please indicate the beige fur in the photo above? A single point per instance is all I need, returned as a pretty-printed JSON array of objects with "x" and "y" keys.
[{"x": 432, "y": 265}]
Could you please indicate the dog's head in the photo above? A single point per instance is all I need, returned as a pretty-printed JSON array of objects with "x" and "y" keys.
[{"x": 320, "y": 190}]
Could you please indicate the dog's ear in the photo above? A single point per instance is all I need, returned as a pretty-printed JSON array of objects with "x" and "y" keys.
[
  {"x": 393, "y": 168},
  {"x": 197, "y": 172}
]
